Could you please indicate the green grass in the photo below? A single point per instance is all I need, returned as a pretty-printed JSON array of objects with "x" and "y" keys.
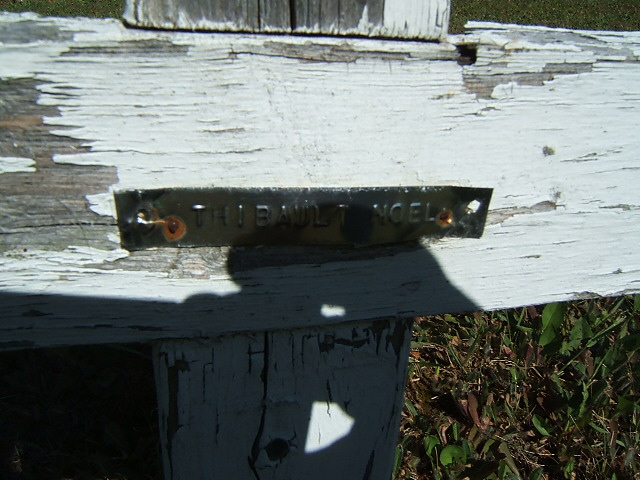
[
  {"x": 546, "y": 393},
  {"x": 580, "y": 14},
  {"x": 536, "y": 393},
  {"x": 66, "y": 8}
]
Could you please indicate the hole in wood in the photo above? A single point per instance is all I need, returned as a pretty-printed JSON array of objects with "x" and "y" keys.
[
  {"x": 277, "y": 449},
  {"x": 468, "y": 54}
]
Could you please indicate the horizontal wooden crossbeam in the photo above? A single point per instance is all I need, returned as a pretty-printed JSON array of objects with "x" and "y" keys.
[{"x": 546, "y": 118}]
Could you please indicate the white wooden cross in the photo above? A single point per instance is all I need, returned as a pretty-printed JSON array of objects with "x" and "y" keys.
[{"x": 289, "y": 362}]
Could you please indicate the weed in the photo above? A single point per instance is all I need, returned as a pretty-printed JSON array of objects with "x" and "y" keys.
[
  {"x": 585, "y": 14},
  {"x": 67, "y": 8},
  {"x": 532, "y": 393}
]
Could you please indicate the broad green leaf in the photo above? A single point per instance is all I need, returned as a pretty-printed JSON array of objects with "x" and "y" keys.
[
  {"x": 636, "y": 303},
  {"x": 452, "y": 454},
  {"x": 553, "y": 315},
  {"x": 540, "y": 425},
  {"x": 579, "y": 332},
  {"x": 430, "y": 443},
  {"x": 552, "y": 318}
]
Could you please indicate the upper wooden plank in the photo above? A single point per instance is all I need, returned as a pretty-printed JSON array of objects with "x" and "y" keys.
[
  {"x": 547, "y": 118},
  {"x": 415, "y": 19}
]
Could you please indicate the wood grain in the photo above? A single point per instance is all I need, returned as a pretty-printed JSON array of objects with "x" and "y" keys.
[
  {"x": 283, "y": 404},
  {"x": 545, "y": 117},
  {"x": 416, "y": 19}
]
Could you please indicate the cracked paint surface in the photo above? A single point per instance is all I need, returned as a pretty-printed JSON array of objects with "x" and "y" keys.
[
  {"x": 545, "y": 117},
  {"x": 296, "y": 409}
]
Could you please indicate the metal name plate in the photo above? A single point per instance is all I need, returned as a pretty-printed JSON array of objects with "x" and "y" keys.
[{"x": 191, "y": 217}]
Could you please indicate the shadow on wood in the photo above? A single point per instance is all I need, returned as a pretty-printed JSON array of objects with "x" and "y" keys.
[
  {"x": 317, "y": 402},
  {"x": 77, "y": 413},
  {"x": 351, "y": 279}
]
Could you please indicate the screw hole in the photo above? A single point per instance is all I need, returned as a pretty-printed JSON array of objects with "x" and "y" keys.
[{"x": 468, "y": 54}]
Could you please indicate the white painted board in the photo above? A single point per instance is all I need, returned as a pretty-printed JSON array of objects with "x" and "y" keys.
[
  {"x": 547, "y": 118},
  {"x": 415, "y": 19},
  {"x": 314, "y": 404}
]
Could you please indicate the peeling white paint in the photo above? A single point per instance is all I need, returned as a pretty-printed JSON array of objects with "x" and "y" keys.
[
  {"x": 88, "y": 255},
  {"x": 364, "y": 24},
  {"x": 114, "y": 237},
  {"x": 276, "y": 406},
  {"x": 244, "y": 110},
  {"x": 16, "y": 164},
  {"x": 79, "y": 270},
  {"x": 78, "y": 255},
  {"x": 102, "y": 204},
  {"x": 415, "y": 18},
  {"x": 559, "y": 150}
]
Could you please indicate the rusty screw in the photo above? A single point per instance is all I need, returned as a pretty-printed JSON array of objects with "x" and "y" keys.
[
  {"x": 174, "y": 228},
  {"x": 444, "y": 218}
]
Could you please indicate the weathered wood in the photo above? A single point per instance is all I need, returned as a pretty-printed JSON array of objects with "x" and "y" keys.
[
  {"x": 418, "y": 19},
  {"x": 301, "y": 404},
  {"x": 545, "y": 117}
]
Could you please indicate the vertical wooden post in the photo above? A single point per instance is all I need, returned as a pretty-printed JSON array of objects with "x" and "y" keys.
[
  {"x": 424, "y": 19},
  {"x": 313, "y": 404}
]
